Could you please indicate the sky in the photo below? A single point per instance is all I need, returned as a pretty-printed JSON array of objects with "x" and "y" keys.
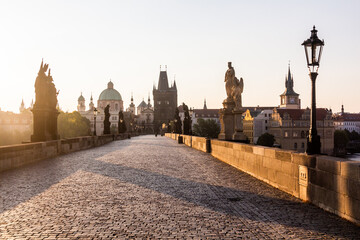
[{"x": 87, "y": 43}]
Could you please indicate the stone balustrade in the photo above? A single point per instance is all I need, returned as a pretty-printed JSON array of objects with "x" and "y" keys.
[
  {"x": 331, "y": 183},
  {"x": 13, "y": 156}
]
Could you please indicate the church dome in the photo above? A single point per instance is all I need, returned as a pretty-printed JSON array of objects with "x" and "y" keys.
[
  {"x": 81, "y": 98},
  {"x": 110, "y": 93}
]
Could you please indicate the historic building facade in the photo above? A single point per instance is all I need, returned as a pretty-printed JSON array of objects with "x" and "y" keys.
[
  {"x": 256, "y": 123},
  {"x": 165, "y": 101},
  {"x": 290, "y": 128},
  {"x": 109, "y": 96},
  {"x": 348, "y": 121}
]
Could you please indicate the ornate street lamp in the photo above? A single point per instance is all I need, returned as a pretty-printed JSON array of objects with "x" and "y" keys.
[
  {"x": 313, "y": 49},
  {"x": 95, "y": 113}
]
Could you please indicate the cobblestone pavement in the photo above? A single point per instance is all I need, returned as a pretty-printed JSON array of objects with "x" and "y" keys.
[{"x": 149, "y": 187}]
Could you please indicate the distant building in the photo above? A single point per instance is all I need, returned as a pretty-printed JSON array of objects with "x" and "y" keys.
[
  {"x": 256, "y": 123},
  {"x": 205, "y": 114},
  {"x": 348, "y": 121},
  {"x": 290, "y": 128},
  {"x": 16, "y": 127},
  {"x": 289, "y": 99},
  {"x": 111, "y": 97},
  {"x": 165, "y": 100},
  {"x": 145, "y": 117}
]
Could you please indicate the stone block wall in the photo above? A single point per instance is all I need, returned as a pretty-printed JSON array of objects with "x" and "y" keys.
[
  {"x": 18, "y": 155},
  {"x": 328, "y": 182}
]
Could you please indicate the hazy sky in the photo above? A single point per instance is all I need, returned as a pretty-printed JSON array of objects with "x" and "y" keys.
[{"x": 86, "y": 43}]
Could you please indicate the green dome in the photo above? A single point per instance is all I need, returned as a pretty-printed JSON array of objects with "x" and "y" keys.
[{"x": 110, "y": 93}]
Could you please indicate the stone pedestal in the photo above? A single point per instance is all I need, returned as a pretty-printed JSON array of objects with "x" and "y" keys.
[
  {"x": 231, "y": 122},
  {"x": 45, "y": 124},
  {"x": 238, "y": 126}
]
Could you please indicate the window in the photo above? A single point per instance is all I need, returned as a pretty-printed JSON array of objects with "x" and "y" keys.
[
  {"x": 159, "y": 102},
  {"x": 286, "y": 134},
  {"x": 269, "y": 115},
  {"x": 302, "y": 145},
  {"x": 265, "y": 121},
  {"x": 295, "y": 145},
  {"x": 302, "y": 134},
  {"x": 265, "y": 115},
  {"x": 295, "y": 134}
]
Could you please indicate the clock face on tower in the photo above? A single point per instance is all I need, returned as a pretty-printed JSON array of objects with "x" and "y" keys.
[{"x": 292, "y": 100}]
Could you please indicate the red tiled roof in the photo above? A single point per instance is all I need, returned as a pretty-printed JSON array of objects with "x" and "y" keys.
[
  {"x": 348, "y": 117},
  {"x": 295, "y": 114}
]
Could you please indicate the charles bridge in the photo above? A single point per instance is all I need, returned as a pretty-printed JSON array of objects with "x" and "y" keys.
[{"x": 153, "y": 187}]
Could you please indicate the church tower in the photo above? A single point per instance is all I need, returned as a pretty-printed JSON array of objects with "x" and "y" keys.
[
  {"x": 81, "y": 104},
  {"x": 22, "y": 106},
  {"x": 91, "y": 104},
  {"x": 132, "y": 105},
  {"x": 165, "y": 100},
  {"x": 205, "y": 107},
  {"x": 289, "y": 99}
]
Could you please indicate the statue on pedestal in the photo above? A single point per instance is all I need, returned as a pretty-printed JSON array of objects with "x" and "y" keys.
[
  {"x": 231, "y": 114},
  {"x": 107, "y": 120},
  {"x": 44, "y": 110}
]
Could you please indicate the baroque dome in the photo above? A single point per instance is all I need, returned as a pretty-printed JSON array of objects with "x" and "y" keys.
[
  {"x": 110, "y": 93},
  {"x": 81, "y": 98}
]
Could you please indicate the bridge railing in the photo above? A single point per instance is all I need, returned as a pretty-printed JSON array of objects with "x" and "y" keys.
[
  {"x": 328, "y": 182},
  {"x": 14, "y": 156}
]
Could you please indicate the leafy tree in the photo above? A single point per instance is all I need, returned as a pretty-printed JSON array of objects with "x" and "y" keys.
[
  {"x": 340, "y": 140},
  {"x": 206, "y": 128},
  {"x": 266, "y": 139},
  {"x": 177, "y": 121},
  {"x": 187, "y": 120},
  {"x": 73, "y": 125}
]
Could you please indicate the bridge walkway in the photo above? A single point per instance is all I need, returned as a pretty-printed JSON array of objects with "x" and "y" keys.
[{"x": 148, "y": 187}]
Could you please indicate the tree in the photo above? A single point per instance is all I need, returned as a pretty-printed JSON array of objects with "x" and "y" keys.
[
  {"x": 73, "y": 125},
  {"x": 206, "y": 128},
  {"x": 187, "y": 120},
  {"x": 177, "y": 121},
  {"x": 121, "y": 123},
  {"x": 266, "y": 140},
  {"x": 340, "y": 140}
]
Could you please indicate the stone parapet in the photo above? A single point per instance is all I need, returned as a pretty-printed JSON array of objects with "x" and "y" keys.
[
  {"x": 328, "y": 182},
  {"x": 18, "y": 155}
]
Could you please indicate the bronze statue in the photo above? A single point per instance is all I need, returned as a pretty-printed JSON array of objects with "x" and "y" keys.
[{"x": 107, "y": 120}]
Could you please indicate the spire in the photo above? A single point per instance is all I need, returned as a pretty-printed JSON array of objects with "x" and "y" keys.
[
  {"x": 342, "y": 108},
  {"x": 289, "y": 83},
  {"x": 205, "y": 107},
  {"x": 163, "y": 81},
  {"x": 149, "y": 105},
  {"x": 91, "y": 98},
  {"x": 174, "y": 86}
]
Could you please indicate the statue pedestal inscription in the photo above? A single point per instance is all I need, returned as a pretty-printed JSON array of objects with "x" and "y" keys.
[{"x": 231, "y": 114}]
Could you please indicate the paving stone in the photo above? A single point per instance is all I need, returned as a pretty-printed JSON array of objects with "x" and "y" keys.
[{"x": 152, "y": 188}]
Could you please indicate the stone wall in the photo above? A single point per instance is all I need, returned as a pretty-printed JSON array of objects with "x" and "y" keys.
[
  {"x": 330, "y": 183},
  {"x": 18, "y": 155}
]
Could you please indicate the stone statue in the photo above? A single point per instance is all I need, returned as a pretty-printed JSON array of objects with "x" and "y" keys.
[
  {"x": 107, "y": 120},
  {"x": 231, "y": 115},
  {"x": 237, "y": 91},
  {"x": 234, "y": 87},
  {"x": 44, "y": 110},
  {"x": 229, "y": 81}
]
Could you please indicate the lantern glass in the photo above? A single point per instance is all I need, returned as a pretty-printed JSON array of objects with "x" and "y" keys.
[
  {"x": 95, "y": 112},
  {"x": 313, "y": 49}
]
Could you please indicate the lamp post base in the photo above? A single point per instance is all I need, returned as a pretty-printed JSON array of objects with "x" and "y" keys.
[{"x": 313, "y": 145}]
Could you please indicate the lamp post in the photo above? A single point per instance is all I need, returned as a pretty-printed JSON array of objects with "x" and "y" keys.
[
  {"x": 313, "y": 49},
  {"x": 95, "y": 113}
]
